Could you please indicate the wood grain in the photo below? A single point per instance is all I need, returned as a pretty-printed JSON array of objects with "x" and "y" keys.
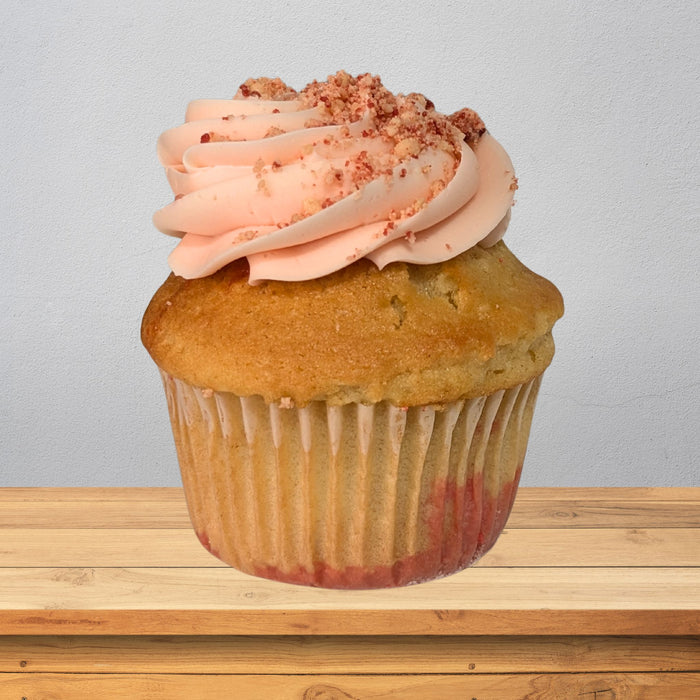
[
  {"x": 517, "y": 588},
  {"x": 361, "y": 654},
  {"x": 682, "y": 494},
  {"x": 19, "y": 494},
  {"x": 340, "y": 621},
  {"x": 136, "y": 547},
  {"x": 124, "y": 514},
  {"x": 166, "y": 508},
  {"x": 111, "y": 561},
  {"x": 589, "y": 593},
  {"x": 602, "y": 686}
]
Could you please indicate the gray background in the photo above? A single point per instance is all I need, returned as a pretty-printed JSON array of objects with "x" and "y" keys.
[{"x": 596, "y": 103}]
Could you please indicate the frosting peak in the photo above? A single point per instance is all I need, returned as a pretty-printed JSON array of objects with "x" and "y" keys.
[{"x": 304, "y": 183}]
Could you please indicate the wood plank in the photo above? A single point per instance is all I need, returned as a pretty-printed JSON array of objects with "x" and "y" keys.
[
  {"x": 641, "y": 686},
  {"x": 132, "y": 547},
  {"x": 123, "y": 571},
  {"x": 165, "y": 508},
  {"x": 173, "y": 514},
  {"x": 610, "y": 493},
  {"x": 225, "y": 588},
  {"x": 222, "y": 588},
  {"x": 19, "y": 494},
  {"x": 87, "y": 547},
  {"x": 638, "y": 547},
  {"x": 361, "y": 654},
  {"x": 613, "y": 513},
  {"x": 342, "y": 621},
  {"x": 95, "y": 514},
  {"x": 525, "y": 493}
]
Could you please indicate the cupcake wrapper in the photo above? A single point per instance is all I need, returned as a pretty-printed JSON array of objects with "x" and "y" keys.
[{"x": 353, "y": 496}]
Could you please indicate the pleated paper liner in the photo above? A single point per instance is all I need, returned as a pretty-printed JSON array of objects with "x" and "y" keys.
[{"x": 354, "y": 496}]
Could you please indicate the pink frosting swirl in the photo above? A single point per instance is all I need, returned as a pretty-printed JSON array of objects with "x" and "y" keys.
[{"x": 305, "y": 185}]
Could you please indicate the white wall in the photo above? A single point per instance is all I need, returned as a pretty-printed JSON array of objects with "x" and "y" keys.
[{"x": 596, "y": 102}]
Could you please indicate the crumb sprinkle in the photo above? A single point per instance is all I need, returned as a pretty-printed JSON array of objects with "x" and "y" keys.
[
  {"x": 266, "y": 89},
  {"x": 469, "y": 123},
  {"x": 407, "y": 124}
]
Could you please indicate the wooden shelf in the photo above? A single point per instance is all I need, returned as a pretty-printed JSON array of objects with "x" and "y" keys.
[{"x": 106, "y": 589}]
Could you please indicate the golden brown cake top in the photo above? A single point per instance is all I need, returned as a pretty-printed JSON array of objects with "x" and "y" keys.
[{"x": 410, "y": 334}]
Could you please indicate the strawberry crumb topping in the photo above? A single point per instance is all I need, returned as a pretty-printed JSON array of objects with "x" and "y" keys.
[
  {"x": 408, "y": 125},
  {"x": 266, "y": 89},
  {"x": 469, "y": 123}
]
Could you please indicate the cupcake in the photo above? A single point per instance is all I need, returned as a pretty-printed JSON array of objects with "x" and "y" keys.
[{"x": 350, "y": 353}]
